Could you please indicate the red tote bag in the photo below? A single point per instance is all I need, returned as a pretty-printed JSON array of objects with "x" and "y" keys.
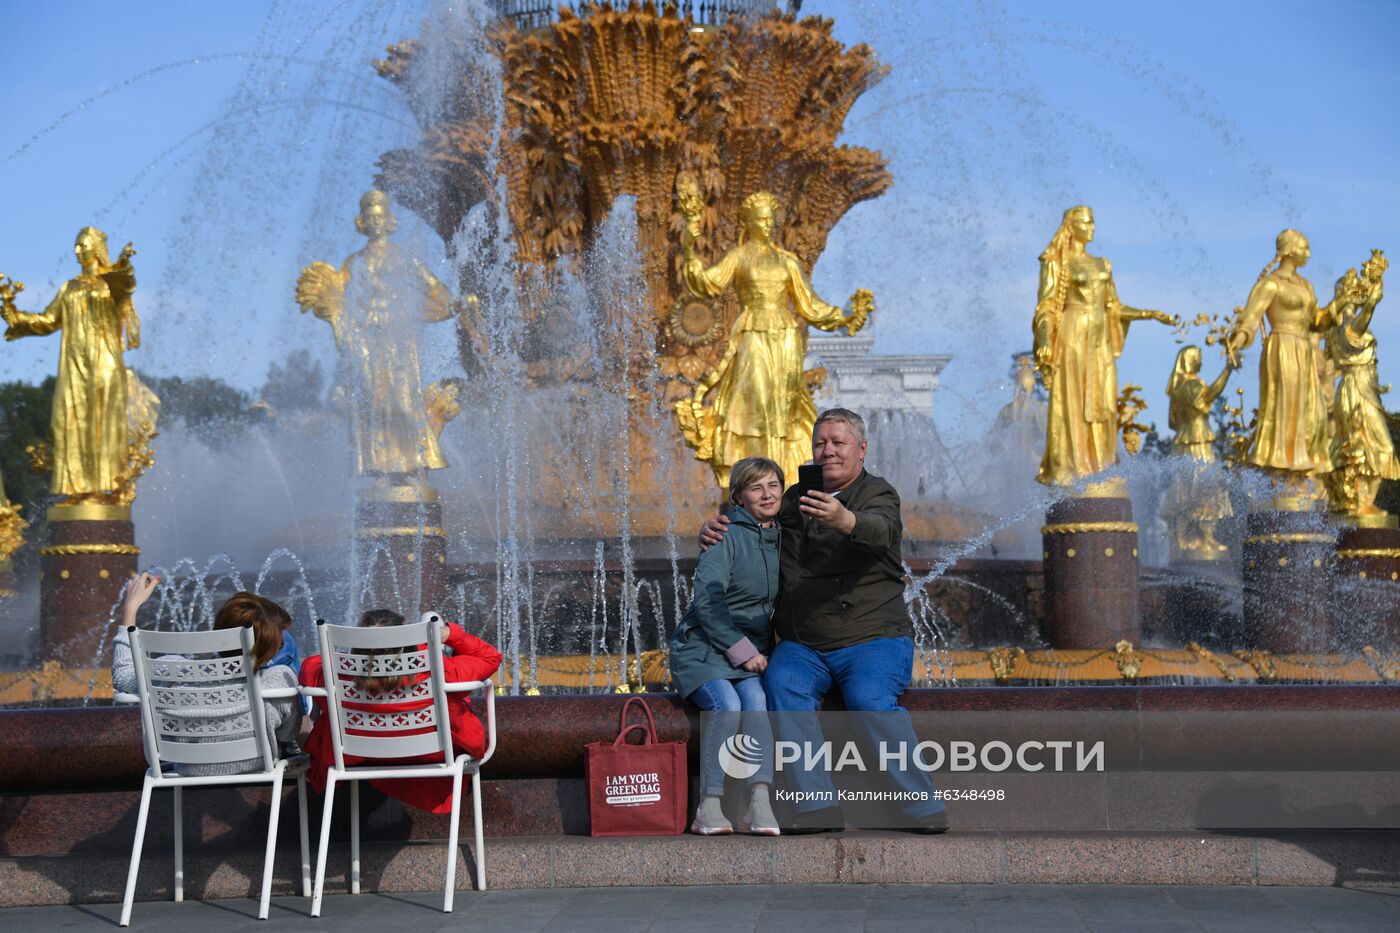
[{"x": 636, "y": 790}]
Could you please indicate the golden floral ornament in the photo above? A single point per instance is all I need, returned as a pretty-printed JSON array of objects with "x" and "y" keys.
[
  {"x": 695, "y": 322},
  {"x": 11, "y": 528},
  {"x": 1130, "y": 405},
  {"x": 1003, "y": 661},
  {"x": 1128, "y": 660},
  {"x": 692, "y": 368}
]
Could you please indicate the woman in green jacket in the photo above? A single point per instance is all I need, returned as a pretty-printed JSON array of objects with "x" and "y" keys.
[{"x": 720, "y": 648}]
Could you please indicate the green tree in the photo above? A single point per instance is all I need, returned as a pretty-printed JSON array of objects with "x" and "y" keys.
[
  {"x": 208, "y": 406},
  {"x": 24, "y": 420},
  {"x": 1154, "y": 444},
  {"x": 294, "y": 383}
]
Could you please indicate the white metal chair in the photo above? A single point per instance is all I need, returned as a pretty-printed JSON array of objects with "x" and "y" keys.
[
  {"x": 361, "y": 726},
  {"x": 202, "y": 705}
]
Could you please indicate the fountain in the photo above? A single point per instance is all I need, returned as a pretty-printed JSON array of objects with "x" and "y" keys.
[{"x": 564, "y": 492}]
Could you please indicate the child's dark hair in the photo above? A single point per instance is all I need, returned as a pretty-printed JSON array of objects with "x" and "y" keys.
[{"x": 380, "y": 618}]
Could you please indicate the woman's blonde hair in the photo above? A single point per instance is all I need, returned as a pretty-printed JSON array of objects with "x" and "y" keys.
[{"x": 751, "y": 470}]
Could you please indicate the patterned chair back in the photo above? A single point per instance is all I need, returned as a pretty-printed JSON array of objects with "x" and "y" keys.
[
  {"x": 406, "y": 719},
  {"x": 201, "y": 703}
]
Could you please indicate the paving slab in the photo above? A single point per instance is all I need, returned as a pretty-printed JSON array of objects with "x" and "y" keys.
[{"x": 868, "y": 908}]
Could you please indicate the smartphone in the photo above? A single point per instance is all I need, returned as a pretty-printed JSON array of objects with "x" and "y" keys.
[{"x": 809, "y": 478}]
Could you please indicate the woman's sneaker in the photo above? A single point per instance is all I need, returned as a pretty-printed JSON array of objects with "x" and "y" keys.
[
  {"x": 760, "y": 818},
  {"x": 709, "y": 819}
]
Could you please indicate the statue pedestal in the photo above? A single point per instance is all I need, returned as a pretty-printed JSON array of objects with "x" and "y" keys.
[
  {"x": 1200, "y": 603},
  {"x": 1288, "y": 581},
  {"x": 1368, "y": 583},
  {"x": 1091, "y": 573},
  {"x": 403, "y": 550},
  {"x": 88, "y": 553}
]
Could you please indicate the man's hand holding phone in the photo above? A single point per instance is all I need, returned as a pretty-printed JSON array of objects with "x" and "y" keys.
[{"x": 828, "y": 511}]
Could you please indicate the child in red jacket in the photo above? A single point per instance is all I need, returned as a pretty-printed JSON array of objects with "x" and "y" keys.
[{"x": 471, "y": 659}]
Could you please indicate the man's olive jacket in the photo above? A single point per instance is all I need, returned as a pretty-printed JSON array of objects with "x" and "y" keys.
[{"x": 840, "y": 590}]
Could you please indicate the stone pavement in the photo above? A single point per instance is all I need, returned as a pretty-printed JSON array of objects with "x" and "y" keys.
[{"x": 773, "y": 909}]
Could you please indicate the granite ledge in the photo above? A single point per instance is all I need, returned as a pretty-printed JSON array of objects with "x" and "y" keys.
[{"x": 1296, "y": 858}]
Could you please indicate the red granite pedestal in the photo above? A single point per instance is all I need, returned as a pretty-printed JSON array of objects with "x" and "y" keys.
[
  {"x": 88, "y": 552},
  {"x": 1288, "y": 559},
  {"x": 403, "y": 548},
  {"x": 1091, "y": 573},
  {"x": 1367, "y": 583}
]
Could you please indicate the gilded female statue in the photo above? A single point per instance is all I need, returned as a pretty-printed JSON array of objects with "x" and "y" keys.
[
  {"x": 1079, "y": 330},
  {"x": 1290, "y": 436},
  {"x": 373, "y": 304},
  {"x": 1195, "y": 501},
  {"x": 1362, "y": 450},
  {"x": 89, "y": 420},
  {"x": 763, "y": 406}
]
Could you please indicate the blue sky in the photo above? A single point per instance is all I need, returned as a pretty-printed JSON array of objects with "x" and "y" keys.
[{"x": 1196, "y": 130}]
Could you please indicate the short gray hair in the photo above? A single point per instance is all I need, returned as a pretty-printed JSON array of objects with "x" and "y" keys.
[{"x": 845, "y": 416}]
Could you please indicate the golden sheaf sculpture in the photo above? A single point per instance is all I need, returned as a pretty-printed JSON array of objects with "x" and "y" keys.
[
  {"x": 762, "y": 404},
  {"x": 373, "y": 304},
  {"x": 94, "y": 311},
  {"x": 1079, "y": 328}
]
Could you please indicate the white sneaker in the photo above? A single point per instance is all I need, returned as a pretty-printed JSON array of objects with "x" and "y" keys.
[
  {"x": 760, "y": 818},
  {"x": 710, "y": 820}
]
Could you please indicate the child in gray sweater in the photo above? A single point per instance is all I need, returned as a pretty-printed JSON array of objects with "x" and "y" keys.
[{"x": 268, "y": 620}]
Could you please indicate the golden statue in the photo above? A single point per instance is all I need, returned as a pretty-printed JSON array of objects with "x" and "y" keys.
[
  {"x": 1195, "y": 501},
  {"x": 98, "y": 320},
  {"x": 763, "y": 405},
  {"x": 1362, "y": 450},
  {"x": 373, "y": 304},
  {"x": 11, "y": 530},
  {"x": 1079, "y": 330},
  {"x": 1290, "y": 436}
]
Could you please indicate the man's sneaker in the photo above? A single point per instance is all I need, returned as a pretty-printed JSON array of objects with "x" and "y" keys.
[
  {"x": 821, "y": 820},
  {"x": 709, "y": 819},
  {"x": 932, "y": 824},
  {"x": 760, "y": 818}
]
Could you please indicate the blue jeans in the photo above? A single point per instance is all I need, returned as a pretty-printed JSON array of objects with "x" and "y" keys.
[
  {"x": 871, "y": 676},
  {"x": 727, "y": 700}
]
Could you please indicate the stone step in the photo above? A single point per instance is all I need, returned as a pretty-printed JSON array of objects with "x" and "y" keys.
[{"x": 1295, "y": 858}]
